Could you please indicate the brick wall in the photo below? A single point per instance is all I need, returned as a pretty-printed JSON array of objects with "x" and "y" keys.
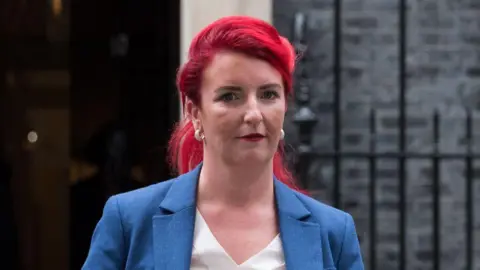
[{"x": 443, "y": 73}]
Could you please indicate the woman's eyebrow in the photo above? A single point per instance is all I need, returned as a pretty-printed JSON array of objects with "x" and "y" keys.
[
  {"x": 229, "y": 88},
  {"x": 270, "y": 86}
]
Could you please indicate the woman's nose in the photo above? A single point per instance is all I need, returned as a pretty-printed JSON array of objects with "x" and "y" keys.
[{"x": 253, "y": 114}]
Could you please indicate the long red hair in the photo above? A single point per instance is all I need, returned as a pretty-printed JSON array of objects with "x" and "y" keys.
[{"x": 243, "y": 34}]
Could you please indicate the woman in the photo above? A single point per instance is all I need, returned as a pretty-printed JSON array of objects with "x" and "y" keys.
[{"x": 231, "y": 207}]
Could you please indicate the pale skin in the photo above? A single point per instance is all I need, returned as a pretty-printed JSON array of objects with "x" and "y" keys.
[{"x": 240, "y": 95}]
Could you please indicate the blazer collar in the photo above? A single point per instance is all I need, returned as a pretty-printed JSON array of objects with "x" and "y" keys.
[
  {"x": 288, "y": 203},
  {"x": 183, "y": 191},
  {"x": 182, "y": 194},
  {"x": 174, "y": 228},
  {"x": 300, "y": 233}
]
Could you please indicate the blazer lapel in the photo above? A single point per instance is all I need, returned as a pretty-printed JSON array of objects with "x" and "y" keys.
[
  {"x": 174, "y": 226},
  {"x": 301, "y": 238},
  {"x": 172, "y": 239}
]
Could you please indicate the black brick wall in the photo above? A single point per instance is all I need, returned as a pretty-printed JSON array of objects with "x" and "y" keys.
[{"x": 443, "y": 73}]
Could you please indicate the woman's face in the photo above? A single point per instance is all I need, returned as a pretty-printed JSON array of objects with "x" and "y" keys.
[{"x": 242, "y": 109}]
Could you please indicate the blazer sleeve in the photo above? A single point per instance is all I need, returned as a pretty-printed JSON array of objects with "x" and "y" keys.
[
  {"x": 350, "y": 255},
  {"x": 107, "y": 248}
]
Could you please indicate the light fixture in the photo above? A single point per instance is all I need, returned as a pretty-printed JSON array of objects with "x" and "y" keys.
[{"x": 32, "y": 136}]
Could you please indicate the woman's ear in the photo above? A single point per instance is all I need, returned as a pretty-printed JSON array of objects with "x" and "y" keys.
[{"x": 192, "y": 112}]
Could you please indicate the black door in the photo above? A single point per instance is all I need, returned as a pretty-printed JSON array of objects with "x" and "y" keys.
[{"x": 123, "y": 59}]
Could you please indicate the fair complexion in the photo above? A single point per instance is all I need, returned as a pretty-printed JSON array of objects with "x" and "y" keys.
[{"x": 241, "y": 114}]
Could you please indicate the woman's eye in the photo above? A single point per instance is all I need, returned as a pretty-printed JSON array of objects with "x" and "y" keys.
[
  {"x": 228, "y": 97},
  {"x": 270, "y": 95}
]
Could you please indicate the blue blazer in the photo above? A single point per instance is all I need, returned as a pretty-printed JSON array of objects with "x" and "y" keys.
[{"x": 152, "y": 228}]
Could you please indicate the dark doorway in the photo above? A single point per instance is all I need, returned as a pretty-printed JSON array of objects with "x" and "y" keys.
[{"x": 123, "y": 59}]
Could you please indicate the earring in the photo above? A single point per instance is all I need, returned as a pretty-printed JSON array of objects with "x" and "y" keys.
[
  {"x": 282, "y": 134},
  {"x": 199, "y": 136}
]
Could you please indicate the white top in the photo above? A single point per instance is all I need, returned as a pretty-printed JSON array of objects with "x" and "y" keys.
[{"x": 209, "y": 254}]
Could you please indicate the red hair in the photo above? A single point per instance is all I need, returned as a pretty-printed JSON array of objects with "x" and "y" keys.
[{"x": 243, "y": 34}]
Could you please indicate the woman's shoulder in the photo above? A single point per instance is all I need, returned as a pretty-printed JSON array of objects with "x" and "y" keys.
[
  {"x": 337, "y": 228},
  {"x": 146, "y": 191},
  {"x": 327, "y": 216},
  {"x": 142, "y": 201}
]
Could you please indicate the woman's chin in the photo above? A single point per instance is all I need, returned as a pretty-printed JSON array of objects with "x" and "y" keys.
[{"x": 250, "y": 157}]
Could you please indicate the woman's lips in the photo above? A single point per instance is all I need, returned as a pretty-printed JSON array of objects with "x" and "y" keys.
[{"x": 253, "y": 137}]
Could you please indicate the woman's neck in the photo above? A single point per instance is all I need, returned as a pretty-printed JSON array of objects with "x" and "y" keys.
[{"x": 235, "y": 186}]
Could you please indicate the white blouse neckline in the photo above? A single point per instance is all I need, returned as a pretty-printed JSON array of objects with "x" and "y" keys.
[{"x": 209, "y": 254}]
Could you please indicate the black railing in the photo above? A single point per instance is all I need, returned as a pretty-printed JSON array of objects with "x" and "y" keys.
[
  {"x": 402, "y": 82},
  {"x": 304, "y": 116},
  {"x": 306, "y": 120},
  {"x": 436, "y": 157},
  {"x": 337, "y": 80}
]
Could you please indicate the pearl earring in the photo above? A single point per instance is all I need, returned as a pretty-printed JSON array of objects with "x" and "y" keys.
[
  {"x": 198, "y": 135},
  {"x": 282, "y": 134}
]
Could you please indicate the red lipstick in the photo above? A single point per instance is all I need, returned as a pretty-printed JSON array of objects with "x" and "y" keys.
[{"x": 253, "y": 137}]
